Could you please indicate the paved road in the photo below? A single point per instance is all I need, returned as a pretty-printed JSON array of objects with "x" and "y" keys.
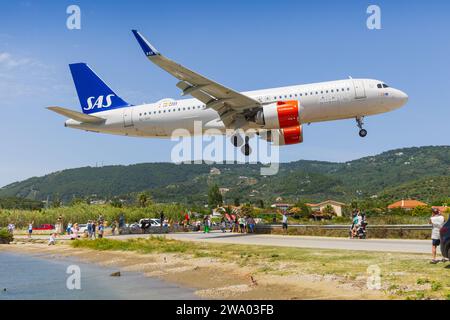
[
  {"x": 379, "y": 245},
  {"x": 383, "y": 245}
]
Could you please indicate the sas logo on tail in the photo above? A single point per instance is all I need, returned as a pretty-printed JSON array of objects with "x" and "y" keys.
[{"x": 99, "y": 102}]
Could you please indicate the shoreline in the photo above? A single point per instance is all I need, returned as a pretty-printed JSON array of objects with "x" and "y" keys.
[{"x": 211, "y": 278}]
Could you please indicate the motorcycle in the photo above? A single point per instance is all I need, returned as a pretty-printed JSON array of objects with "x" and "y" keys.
[{"x": 360, "y": 232}]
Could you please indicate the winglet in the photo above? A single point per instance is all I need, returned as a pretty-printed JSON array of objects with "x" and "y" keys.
[{"x": 148, "y": 49}]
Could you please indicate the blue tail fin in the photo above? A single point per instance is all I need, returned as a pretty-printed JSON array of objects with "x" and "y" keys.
[{"x": 94, "y": 94}]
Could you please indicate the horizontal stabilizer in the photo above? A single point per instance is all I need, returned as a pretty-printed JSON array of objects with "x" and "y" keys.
[{"x": 77, "y": 116}]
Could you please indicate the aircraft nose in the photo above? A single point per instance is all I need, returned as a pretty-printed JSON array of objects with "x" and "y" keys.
[
  {"x": 403, "y": 96},
  {"x": 400, "y": 98}
]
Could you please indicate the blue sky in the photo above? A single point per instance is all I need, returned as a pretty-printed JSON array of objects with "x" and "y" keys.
[{"x": 245, "y": 45}]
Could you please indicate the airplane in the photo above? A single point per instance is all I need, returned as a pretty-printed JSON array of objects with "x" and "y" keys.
[{"x": 277, "y": 114}]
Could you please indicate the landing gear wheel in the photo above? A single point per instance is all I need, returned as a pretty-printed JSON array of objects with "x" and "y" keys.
[
  {"x": 237, "y": 140},
  {"x": 360, "y": 123},
  {"x": 246, "y": 150},
  {"x": 362, "y": 133}
]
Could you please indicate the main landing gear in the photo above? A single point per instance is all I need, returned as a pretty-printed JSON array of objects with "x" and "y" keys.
[
  {"x": 360, "y": 123},
  {"x": 237, "y": 141}
]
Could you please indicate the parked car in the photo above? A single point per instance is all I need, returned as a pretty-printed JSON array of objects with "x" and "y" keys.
[
  {"x": 445, "y": 240},
  {"x": 82, "y": 228},
  {"x": 44, "y": 227},
  {"x": 150, "y": 222}
]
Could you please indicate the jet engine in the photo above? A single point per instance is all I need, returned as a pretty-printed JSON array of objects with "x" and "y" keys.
[
  {"x": 282, "y": 114},
  {"x": 285, "y": 136}
]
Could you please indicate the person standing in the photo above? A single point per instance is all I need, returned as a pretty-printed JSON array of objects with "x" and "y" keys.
[
  {"x": 187, "y": 219},
  {"x": 30, "y": 229},
  {"x": 206, "y": 223},
  {"x": 101, "y": 229},
  {"x": 113, "y": 228},
  {"x": 437, "y": 221},
  {"x": 11, "y": 228},
  {"x": 251, "y": 224},
  {"x": 223, "y": 225},
  {"x": 69, "y": 229},
  {"x": 94, "y": 229},
  {"x": 285, "y": 221},
  {"x": 241, "y": 225},
  {"x": 89, "y": 229},
  {"x": 121, "y": 222},
  {"x": 161, "y": 220}
]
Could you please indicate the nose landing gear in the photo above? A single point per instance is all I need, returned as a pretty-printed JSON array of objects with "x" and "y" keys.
[
  {"x": 246, "y": 150},
  {"x": 360, "y": 123},
  {"x": 237, "y": 140}
]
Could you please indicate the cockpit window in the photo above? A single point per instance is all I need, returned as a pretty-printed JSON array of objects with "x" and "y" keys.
[
  {"x": 379, "y": 86},
  {"x": 385, "y": 85}
]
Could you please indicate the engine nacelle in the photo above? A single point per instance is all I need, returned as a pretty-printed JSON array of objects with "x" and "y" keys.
[
  {"x": 282, "y": 114},
  {"x": 285, "y": 136}
]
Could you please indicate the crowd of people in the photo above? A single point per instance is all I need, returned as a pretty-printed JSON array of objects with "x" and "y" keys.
[
  {"x": 234, "y": 223},
  {"x": 95, "y": 229}
]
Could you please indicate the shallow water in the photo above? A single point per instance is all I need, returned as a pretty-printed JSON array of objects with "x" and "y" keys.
[{"x": 33, "y": 277}]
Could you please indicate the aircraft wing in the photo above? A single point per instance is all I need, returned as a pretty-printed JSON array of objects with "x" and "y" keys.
[
  {"x": 229, "y": 103},
  {"x": 78, "y": 116}
]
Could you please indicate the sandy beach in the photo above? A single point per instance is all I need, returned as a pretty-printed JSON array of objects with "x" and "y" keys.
[{"x": 212, "y": 278}]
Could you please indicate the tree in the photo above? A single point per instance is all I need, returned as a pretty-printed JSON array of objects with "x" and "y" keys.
[
  {"x": 144, "y": 199},
  {"x": 329, "y": 210},
  {"x": 421, "y": 211},
  {"x": 56, "y": 203},
  {"x": 237, "y": 202},
  {"x": 76, "y": 201},
  {"x": 214, "y": 197},
  {"x": 261, "y": 203},
  {"x": 305, "y": 210},
  {"x": 116, "y": 203},
  {"x": 247, "y": 210}
]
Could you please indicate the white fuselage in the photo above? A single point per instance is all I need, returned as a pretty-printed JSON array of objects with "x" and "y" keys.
[{"x": 324, "y": 101}]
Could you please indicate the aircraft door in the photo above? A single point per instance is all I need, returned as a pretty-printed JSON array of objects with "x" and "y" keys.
[
  {"x": 128, "y": 117},
  {"x": 360, "y": 91}
]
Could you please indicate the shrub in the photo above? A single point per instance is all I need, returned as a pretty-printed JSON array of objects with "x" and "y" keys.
[{"x": 5, "y": 236}]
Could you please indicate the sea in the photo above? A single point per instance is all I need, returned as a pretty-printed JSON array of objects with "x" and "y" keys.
[{"x": 24, "y": 277}]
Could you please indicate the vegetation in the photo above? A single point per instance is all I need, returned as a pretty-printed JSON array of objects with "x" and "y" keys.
[
  {"x": 407, "y": 276},
  {"x": 5, "y": 236},
  {"x": 20, "y": 203},
  {"x": 81, "y": 213},
  {"x": 421, "y": 173},
  {"x": 214, "y": 197}
]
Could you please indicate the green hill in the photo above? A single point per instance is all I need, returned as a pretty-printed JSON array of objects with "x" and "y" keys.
[{"x": 422, "y": 173}]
